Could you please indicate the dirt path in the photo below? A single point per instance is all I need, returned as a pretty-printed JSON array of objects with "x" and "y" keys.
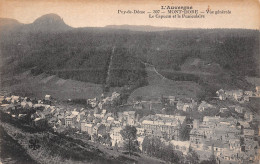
[
  {"x": 152, "y": 72},
  {"x": 109, "y": 65}
]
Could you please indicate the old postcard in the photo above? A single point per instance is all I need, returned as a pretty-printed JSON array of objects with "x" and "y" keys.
[{"x": 129, "y": 81}]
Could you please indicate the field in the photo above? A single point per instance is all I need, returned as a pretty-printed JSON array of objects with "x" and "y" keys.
[
  {"x": 159, "y": 85},
  {"x": 60, "y": 89}
]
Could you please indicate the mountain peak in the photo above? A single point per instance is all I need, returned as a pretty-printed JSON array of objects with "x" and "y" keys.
[
  {"x": 50, "y": 22},
  {"x": 49, "y": 19}
]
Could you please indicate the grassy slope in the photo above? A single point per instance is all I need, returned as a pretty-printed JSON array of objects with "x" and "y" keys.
[
  {"x": 160, "y": 85},
  {"x": 61, "y": 89},
  {"x": 11, "y": 151}
]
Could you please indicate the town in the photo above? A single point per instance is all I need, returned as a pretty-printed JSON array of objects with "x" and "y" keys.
[{"x": 224, "y": 129}]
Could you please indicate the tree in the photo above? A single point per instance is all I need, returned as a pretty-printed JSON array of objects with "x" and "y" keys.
[
  {"x": 192, "y": 157},
  {"x": 145, "y": 145},
  {"x": 211, "y": 160},
  {"x": 107, "y": 140},
  {"x": 116, "y": 146},
  {"x": 34, "y": 143},
  {"x": 129, "y": 136},
  {"x": 184, "y": 133},
  {"x": 95, "y": 137},
  {"x": 139, "y": 98},
  {"x": 170, "y": 154},
  {"x": 155, "y": 147}
]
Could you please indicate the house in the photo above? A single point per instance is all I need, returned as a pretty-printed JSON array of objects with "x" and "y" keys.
[
  {"x": 127, "y": 117},
  {"x": 238, "y": 94},
  {"x": 219, "y": 134},
  {"x": 8, "y": 107},
  {"x": 239, "y": 109},
  {"x": 249, "y": 133},
  {"x": 38, "y": 105},
  {"x": 204, "y": 106},
  {"x": 257, "y": 88},
  {"x": 221, "y": 94},
  {"x": 179, "y": 105},
  {"x": 8, "y": 99},
  {"x": 22, "y": 115},
  {"x": 15, "y": 99},
  {"x": 70, "y": 121},
  {"x": 40, "y": 122},
  {"x": 92, "y": 102},
  {"x": 100, "y": 105},
  {"x": 1, "y": 99},
  {"x": 60, "y": 122},
  {"x": 47, "y": 98},
  {"x": 116, "y": 137},
  {"x": 99, "y": 129},
  {"x": 81, "y": 116},
  {"x": 75, "y": 112},
  {"x": 87, "y": 127},
  {"x": 52, "y": 121},
  {"x": 223, "y": 110},
  {"x": 108, "y": 127},
  {"x": 249, "y": 116},
  {"x": 168, "y": 100},
  {"x": 186, "y": 108},
  {"x": 186, "y": 105},
  {"x": 248, "y": 93},
  {"x": 54, "y": 128},
  {"x": 60, "y": 116},
  {"x": 117, "y": 124},
  {"x": 244, "y": 124},
  {"x": 172, "y": 100},
  {"x": 90, "y": 118},
  {"x": 234, "y": 145},
  {"x": 138, "y": 105},
  {"x": 110, "y": 119},
  {"x": 167, "y": 126},
  {"x": 140, "y": 131},
  {"x": 115, "y": 95},
  {"x": 103, "y": 113},
  {"x": 26, "y": 104},
  {"x": 229, "y": 94}
]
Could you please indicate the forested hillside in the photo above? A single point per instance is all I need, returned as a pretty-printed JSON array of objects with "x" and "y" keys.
[{"x": 84, "y": 54}]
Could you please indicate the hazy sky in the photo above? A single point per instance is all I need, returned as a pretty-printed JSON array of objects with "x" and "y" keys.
[{"x": 83, "y": 13}]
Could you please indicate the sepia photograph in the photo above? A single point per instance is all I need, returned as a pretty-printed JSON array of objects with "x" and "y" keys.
[{"x": 129, "y": 82}]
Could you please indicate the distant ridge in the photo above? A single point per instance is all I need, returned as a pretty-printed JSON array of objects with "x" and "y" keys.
[
  {"x": 147, "y": 28},
  {"x": 54, "y": 23},
  {"x": 8, "y": 23}
]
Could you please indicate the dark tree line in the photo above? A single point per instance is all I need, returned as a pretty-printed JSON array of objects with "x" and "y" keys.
[
  {"x": 153, "y": 146},
  {"x": 130, "y": 142}
]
